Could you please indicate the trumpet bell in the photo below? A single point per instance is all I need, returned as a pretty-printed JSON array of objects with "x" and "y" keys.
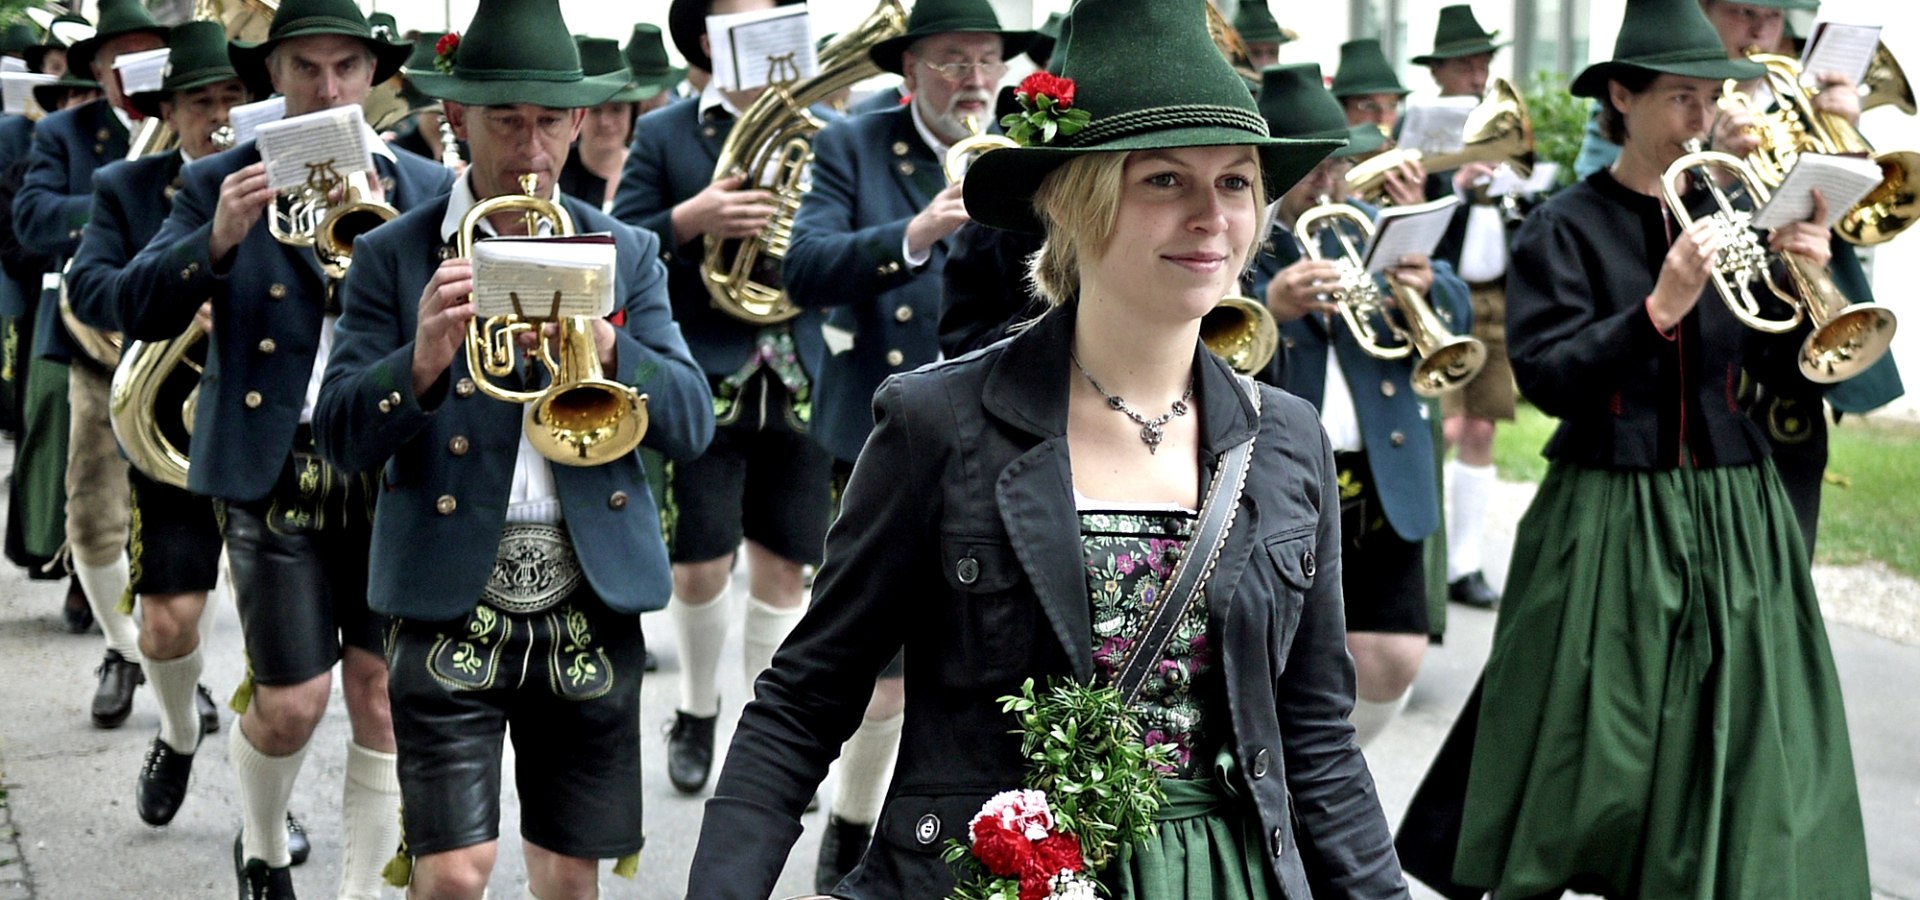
[
  {"x": 1242, "y": 332},
  {"x": 588, "y": 423},
  {"x": 1449, "y": 366},
  {"x": 1847, "y": 345},
  {"x": 1888, "y": 209}
]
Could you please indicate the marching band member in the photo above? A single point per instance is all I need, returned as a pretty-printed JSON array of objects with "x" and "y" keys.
[
  {"x": 174, "y": 541},
  {"x": 559, "y": 653},
  {"x": 1263, "y": 36},
  {"x": 1476, "y": 246},
  {"x": 869, "y": 245},
  {"x": 1661, "y": 714},
  {"x": 763, "y": 479},
  {"x": 1382, "y": 443},
  {"x": 1369, "y": 92},
  {"x": 49, "y": 213},
  {"x": 971, "y": 536},
  {"x": 296, "y": 528},
  {"x": 594, "y": 165}
]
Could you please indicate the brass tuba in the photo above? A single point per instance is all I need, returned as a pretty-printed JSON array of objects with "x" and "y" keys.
[
  {"x": 1446, "y": 361},
  {"x": 102, "y": 346},
  {"x": 772, "y": 144},
  {"x": 1498, "y": 131},
  {"x": 1799, "y": 127},
  {"x": 1846, "y": 338},
  {"x": 1886, "y": 84},
  {"x": 581, "y": 418},
  {"x": 1241, "y": 331},
  {"x": 151, "y": 403}
]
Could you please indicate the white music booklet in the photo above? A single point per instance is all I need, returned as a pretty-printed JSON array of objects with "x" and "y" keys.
[
  {"x": 331, "y": 141},
  {"x": 1401, "y": 230},
  {"x": 544, "y": 277},
  {"x": 247, "y": 118},
  {"x": 1847, "y": 49},
  {"x": 1436, "y": 124},
  {"x": 16, "y": 88},
  {"x": 751, "y": 49},
  {"x": 141, "y": 72},
  {"x": 1841, "y": 180}
]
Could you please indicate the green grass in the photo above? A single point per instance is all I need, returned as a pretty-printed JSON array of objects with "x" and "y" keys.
[{"x": 1870, "y": 508}]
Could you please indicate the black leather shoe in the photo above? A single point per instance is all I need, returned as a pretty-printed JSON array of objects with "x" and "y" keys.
[
  {"x": 841, "y": 847},
  {"x": 113, "y": 700},
  {"x": 690, "y": 751},
  {"x": 1472, "y": 590},
  {"x": 298, "y": 847},
  {"x": 258, "y": 881},
  {"x": 163, "y": 783},
  {"x": 209, "y": 713},
  {"x": 75, "y": 614}
]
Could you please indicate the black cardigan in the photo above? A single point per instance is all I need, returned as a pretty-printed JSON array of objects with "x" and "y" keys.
[{"x": 1585, "y": 351}]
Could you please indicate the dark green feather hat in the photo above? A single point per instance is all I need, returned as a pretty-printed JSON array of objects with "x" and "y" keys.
[
  {"x": 1669, "y": 37},
  {"x": 305, "y": 18},
  {"x": 1173, "y": 91},
  {"x": 1295, "y": 102},
  {"x": 117, "y": 17},
  {"x": 519, "y": 51},
  {"x": 931, "y": 17},
  {"x": 197, "y": 57},
  {"x": 1459, "y": 34}
]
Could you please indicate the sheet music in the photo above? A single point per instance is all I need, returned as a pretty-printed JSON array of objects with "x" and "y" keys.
[
  {"x": 1436, "y": 124},
  {"x": 331, "y": 140},
  {"x": 522, "y": 276},
  {"x": 1401, "y": 230},
  {"x": 16, "y": 88},
  {"x": 1847, "y": 49},
  {"x": 757, "y": 48},
  {"x": 1842, "y": 181},
  {"x": 141, "y": 72},
  {"x": 12, "y": 64},
  {"x": 248, "y": 117}
]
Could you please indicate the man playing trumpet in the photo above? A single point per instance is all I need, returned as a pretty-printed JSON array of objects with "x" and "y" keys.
[{"x": 551, "y": 645}]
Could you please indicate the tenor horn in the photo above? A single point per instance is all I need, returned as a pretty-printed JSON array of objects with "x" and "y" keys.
[
  {"x": 1886, "y": 84},
  {"x": 1498, "y": 130},
  {"x": 582, "y": 418}
]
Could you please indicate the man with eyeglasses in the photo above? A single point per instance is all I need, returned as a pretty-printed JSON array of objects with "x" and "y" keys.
[
  {"x": 870, "y": 242},
  {"x": 1370, "y": 93}
]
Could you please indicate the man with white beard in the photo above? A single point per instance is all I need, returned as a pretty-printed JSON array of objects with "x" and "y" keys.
[{"x": 869, "y": 245}]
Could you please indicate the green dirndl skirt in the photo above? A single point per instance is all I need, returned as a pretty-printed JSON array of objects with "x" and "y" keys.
[
  {"x": 40, "y": 464},
  {"x": 1661, "y": 713},
  {"x": 1206, "y": 846}
]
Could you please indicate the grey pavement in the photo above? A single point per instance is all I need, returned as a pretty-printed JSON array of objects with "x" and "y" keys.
[{"x": 68, "y": 828}]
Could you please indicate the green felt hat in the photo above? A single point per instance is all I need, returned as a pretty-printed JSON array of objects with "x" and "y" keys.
[
  {"x": 519, "y": 51},
  {"x": 1045, "y": 38},
  {"x": 646, "y": 54},
  {"x": 66, "y": 29},
  {"x": 1670, "y": 37},
  {"x": 1256, "y": 25},
  {"x": 1364, "y": 70},
  {"x": 384, "y": 27},
  {"x": 1173, "y": 91},
  {"x": 17, "y": 38},
  {"x": 1459, "y": 34},
  {"x": 197, "y": 57},
  {"x": 420, "y": 60},
  {"x": 117, "y": 17},
  {"x": 931, "y": 17},
  {"x": 50, "y": 95},
  {"x": 601, "y": 56},
  {"x": 307, "y": 18},
  {"x": 1295, "y": 102}
]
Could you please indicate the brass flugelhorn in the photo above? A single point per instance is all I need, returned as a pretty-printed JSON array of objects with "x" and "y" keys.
[
  {"x": 1241, "y": 331},
  {"x": 582, "y": 418},
  {"x": 1847, "y": 337},
  {"x": 1446, "y": 362},
  {"x": 978, "y": 141},
  {"x": 309, "y": 216},
  {"x": 1498, "y": 130},
  {"x": 772, "y": 145}
]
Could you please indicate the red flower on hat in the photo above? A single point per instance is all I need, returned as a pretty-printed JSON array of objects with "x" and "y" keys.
[
  {"x": 1046, "y": 104},
  {"x": 1046, "y": 84},
  {"x": 444, "y": 51}
]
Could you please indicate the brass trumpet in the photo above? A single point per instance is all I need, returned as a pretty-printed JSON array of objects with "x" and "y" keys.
[
  {"x": 1446, "y": 360},
  {"x": 1241, "y": 331},
  {"x": 582, "y": 418},
  {"x": 1498, "y": 131},
  {"x": 307, "y": 216},
  {"x": 978, "y": 141},
  {"x": 1847, "y": 337}
]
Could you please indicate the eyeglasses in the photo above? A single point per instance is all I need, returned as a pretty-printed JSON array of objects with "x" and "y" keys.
[
  {"x": 958, "y": 72},
  {"x": 1371, "y": 107}
]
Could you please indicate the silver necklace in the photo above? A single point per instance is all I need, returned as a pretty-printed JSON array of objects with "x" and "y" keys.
[{"x": 1153, "y": 430}]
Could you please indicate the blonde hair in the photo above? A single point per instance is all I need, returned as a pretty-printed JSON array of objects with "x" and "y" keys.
[{"x": 1079, "y": 204}]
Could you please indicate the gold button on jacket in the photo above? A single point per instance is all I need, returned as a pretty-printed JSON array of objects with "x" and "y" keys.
[
  {"x": 253, "y": 399},
  {"x": 457, "y": 445},
  {"x": 618, "y": 500},
  {"x": 446, "y": 504}
]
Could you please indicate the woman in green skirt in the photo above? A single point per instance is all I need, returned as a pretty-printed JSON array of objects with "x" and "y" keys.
[
  {"x": 1024, "y": 511},
  {"x": 1660, "y": 714}
]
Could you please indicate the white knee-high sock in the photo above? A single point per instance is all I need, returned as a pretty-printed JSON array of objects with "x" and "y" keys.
[
  {"x": 1370, "y": 718},
  {"x": 173, "y": 681},
  {"x": 1467, "y": 490},
  {"x": 266, "y": 784},
  {"x": 700, "y": 630},
  {"x": 866, "y": 766},
  {"x": 766, "y": 629},
  {"x": 370, "y": 805},
  {"x": 104, "y": 586}
]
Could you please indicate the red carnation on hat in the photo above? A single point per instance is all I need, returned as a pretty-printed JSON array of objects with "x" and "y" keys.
[
  {"x": 444, "y": 50},
  {"x": 1046, "y": 111},
  {"x": 1057, "y": 88}
]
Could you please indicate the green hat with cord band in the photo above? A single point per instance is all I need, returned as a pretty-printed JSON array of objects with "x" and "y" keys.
[
  {"x": 1295, "y": 102},
  {"x": 519, "y": 51},
  {"x": 601, "y": 56},
  {"x": 1459, "y": 34},
  {"x": 117, "y": 18},
  {"x": 197, "y": 57},
  {"x": 309, "y": 18},
  {"x": 1364, "y": 70},
  {"x": 1665, "y": 37},
  {"x": 646, "y": 55},
  {"x": 1193, "y": 99},
  {"x": 935, "y": 17}
]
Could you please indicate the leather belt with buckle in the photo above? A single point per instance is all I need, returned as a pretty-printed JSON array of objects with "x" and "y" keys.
[{"x": 534, "y": 569}]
